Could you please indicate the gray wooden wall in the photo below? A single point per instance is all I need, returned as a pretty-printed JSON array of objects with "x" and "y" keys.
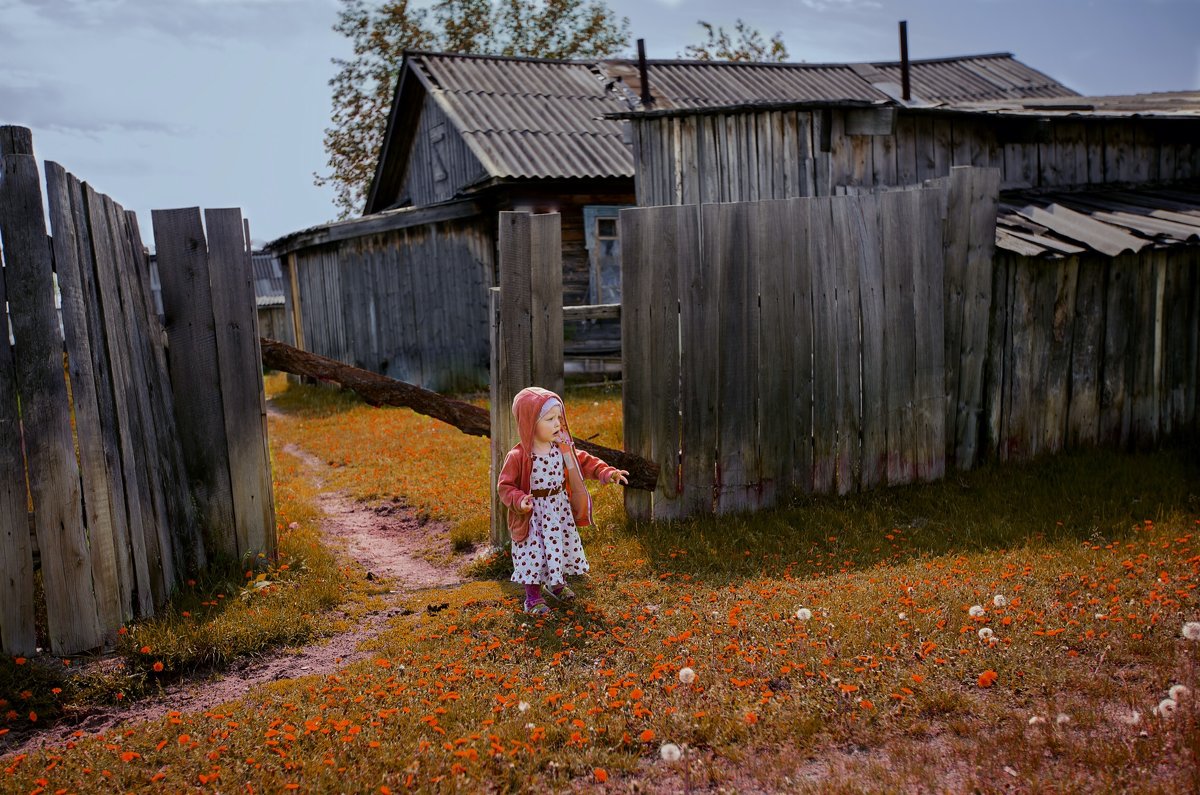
[
  {"x": 409, "y": 303},
  {"x": 778, "y": 154},
  {"x": 440, "y": 163}
]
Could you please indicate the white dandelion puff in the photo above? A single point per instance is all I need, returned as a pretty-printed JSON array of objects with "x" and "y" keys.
[
  {"x": 1000, "y": 600},
  {"x": 529, "y": 726},
  {"x": 1036, "y": 720},
  {"x": 903, "y": 616},
  {"x": 1191, "y": 630},
  {"x": 1062, "y": 718},
  {"x": 524, "y": 705},
  {"x": 803, "y": 614},
  {"x": 1132, "y": 718},
  {"x": 985, "y": 633},
  {"x": 687, "y": 675},
  {"x": 976, "y": 611},
  {"x": 1179, "y": 692},
  {"x": 670, "y": 752},
  {"x": 1166, "y": 707}
]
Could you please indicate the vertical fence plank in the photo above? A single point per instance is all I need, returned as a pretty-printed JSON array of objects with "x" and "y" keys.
[
  {"x": 546, "y": 300},
  {"x": 928, "y": 308},
  {"x": 88, "y": 430},
  {"x": 637, "y": 272},
  {"x": 848, "y": 315},
  {"x": 235, "y": 322},
  {"x": 823, "y": 264},
  {"x": 866, "y": 239},
  {"x": 738, "y": 472},
  {"x": 674, "y": 246},
  {"x": 897, "y": 219},
  {"x": 1024, "y": 422},
  {"x": 499, "y": 425},
  {"x": 1055, "y": 391},
  {"x": 53, "y": 471},
  {"x": 776, "y": 377},
  {"x": 956, "y": 239},
  {"x": 1087, "y": 347},
  {"x": 967, "y": 398},
  {"x": 17, "y": 633},
  {"x": 801, "y": 343},
  {"x": 1145, "y": 352},
  {"x": 187, "y": 307},
  {"x": 698, "y": 294},
  {"x": 1120, "y": 317},
  {"x": 995, "y": 375}
]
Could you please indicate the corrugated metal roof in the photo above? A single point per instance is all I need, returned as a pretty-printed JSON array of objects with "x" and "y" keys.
[
  {"x": 1157, "y": 103},
  {"x": 1105, "y": 220},
  {"x": 536, "y": 118},
  {"x": 268, "y": 276}
]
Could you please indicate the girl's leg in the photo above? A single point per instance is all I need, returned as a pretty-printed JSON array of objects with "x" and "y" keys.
[{"x": 533, "y": 593}]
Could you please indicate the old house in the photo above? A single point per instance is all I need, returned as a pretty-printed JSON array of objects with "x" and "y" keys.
[{"x": 403, "y": 289}]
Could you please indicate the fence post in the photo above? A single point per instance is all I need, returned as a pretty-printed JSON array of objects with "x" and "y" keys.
[{"x": 527, "y": 330}]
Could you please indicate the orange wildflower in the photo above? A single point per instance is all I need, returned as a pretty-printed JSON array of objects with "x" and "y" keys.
[{"x": 987, "y": 678}]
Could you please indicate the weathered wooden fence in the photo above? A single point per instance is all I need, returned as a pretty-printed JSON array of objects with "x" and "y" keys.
[
  {"x": 89, "y": 429},
  {"x": 836, "y": 343},
  {"x": 526, "y": 330}
]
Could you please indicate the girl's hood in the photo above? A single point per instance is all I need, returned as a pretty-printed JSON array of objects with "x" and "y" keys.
[{"x": 527, "y": 404}]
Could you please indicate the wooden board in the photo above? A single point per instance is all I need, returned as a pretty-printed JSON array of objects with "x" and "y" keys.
[
  {"x": 17, "y": 631},
  {"x": 976, "y": 313},
  {"x": 846, "y": 230},
  {"x": 801, "y": 342},
  {"x": 898, "y": 216},
  {"x": 867, "y": 251},
  {"x": 52, "y": 468},
  {"x": 777, "y": 379},
  {"x": 1087, "y": 348},
  {"x": 823, "y": 265},
  {"x": 235, "y": 319},
  {"x": 1116, "y": 367},
  {"x": 497, "y": 412},
  {"x": 546, "y": 301},
  {"x": 956, "y": 239},
  {"x": 636, "y": 366},
  {"x": 698, "y": 294},
  {"x": 1022, "y": 418},
  {"x": 996, "y": 368},
  {"x": 98, "y": 510},
  {"x": 738, "y": 465},
  {"x": 1146, "y": 363},
  {"x": 929, "y": 410},
  {"x": 1061, "y": 283},
  {"x": 673, "y": 246},
  {"x": 191, "y": 329}
]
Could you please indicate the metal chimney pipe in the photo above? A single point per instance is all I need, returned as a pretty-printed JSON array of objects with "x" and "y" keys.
[
  {"x": 647, "y": 98},
  {"x": 904, "y": 59}
]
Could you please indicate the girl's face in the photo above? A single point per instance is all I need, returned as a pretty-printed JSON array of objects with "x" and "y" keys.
[{"x": 548, "y": 426}]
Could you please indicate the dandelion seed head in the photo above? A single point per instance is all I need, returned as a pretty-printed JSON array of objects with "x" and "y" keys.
[
  {"x": 1036, "y": 720},
  {"x": 803, "y": 614},
  {"x": 985, "y": 633},
  {"x": 1000, "y": 600},
  {"x": 687, "y": 675},
  {"x": 1062, "y": 718},
  {"x": 976, "y": 611},
  {"x": 1132, "y": 718},
  {"x": 1191, "y": 630},
  {"x": 903, "y": 616},
  {"x": 1166, "y": 707},
  {"x": 524, "y": 705},
  {"x": 529, "y": 726},
  {"x": 670, "y": 752},
  {"x": 1179, "y": 692}
]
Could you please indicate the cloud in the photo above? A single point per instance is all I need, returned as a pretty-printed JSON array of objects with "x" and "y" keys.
[
  {"x": 43, "y": 105},
  {"x": 209, "y": 21},
  {"x": 842, "y": 5}
]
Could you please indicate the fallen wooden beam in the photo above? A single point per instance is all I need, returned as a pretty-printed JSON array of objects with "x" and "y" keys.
[{"x": 379, "y": 390}]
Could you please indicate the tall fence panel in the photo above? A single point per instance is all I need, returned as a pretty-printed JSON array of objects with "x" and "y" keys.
[{"x": 89, "y": 428}]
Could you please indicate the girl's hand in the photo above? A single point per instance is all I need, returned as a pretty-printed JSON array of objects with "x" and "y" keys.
[
  {"x": 562, "y": 437},
  {"x": 620, "y": 477},
  {"x": 526, "y": 503}
]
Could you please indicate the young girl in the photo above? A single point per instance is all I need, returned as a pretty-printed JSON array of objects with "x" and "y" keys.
[{"x": 542, "y": 485}]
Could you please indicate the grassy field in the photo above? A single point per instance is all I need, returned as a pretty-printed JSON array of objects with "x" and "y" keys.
[{"x": 1008, "y": 628}]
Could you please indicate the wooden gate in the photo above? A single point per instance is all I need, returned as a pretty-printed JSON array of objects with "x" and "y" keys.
[{"x": 814, "y": 344}]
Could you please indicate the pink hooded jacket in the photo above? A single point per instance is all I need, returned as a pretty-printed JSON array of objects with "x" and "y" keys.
[{"x": 513, "y": 483}]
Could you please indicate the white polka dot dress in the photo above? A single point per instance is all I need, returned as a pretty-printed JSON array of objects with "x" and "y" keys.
[{"x": 553, "y": 548}]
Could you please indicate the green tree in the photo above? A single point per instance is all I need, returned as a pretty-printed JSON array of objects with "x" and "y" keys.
[
  {"x": 745, "y": 44},
  {"x": 379, "y": 33}
]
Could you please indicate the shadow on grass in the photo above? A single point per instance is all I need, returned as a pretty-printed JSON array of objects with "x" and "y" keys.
[{"x": 1090, "y": 495}]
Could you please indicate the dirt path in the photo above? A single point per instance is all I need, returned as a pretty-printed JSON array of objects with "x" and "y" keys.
[{"x": 388, "y": 541}]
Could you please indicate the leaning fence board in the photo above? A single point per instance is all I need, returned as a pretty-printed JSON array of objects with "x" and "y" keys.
[
  {"x": 956, "y": 239},
  {"x": 677, "y": 242},
  {"x": 929, "y": 412},
  {"x": 89, "y": 434},
  {"x": 53, "y": 471},
  {"x": 231, "y": 280},
  {"x": 17, "y": 633},
  {"x": 184, "y": 275},
  {"x": 897, "y": 213}
]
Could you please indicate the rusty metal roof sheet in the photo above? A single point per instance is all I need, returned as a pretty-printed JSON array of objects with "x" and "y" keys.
[
  {"x": 1110, "y": 221},
  {"x": 1155, "y": 103}
]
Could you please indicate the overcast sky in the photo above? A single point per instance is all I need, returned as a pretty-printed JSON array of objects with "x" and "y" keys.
[{"x": 219, "y": 103}]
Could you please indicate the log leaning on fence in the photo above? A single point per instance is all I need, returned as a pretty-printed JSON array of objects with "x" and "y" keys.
[{"x": 379, "y": 390}]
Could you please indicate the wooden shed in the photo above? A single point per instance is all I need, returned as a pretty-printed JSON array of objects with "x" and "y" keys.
[{"x": 469, "y": 136}]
